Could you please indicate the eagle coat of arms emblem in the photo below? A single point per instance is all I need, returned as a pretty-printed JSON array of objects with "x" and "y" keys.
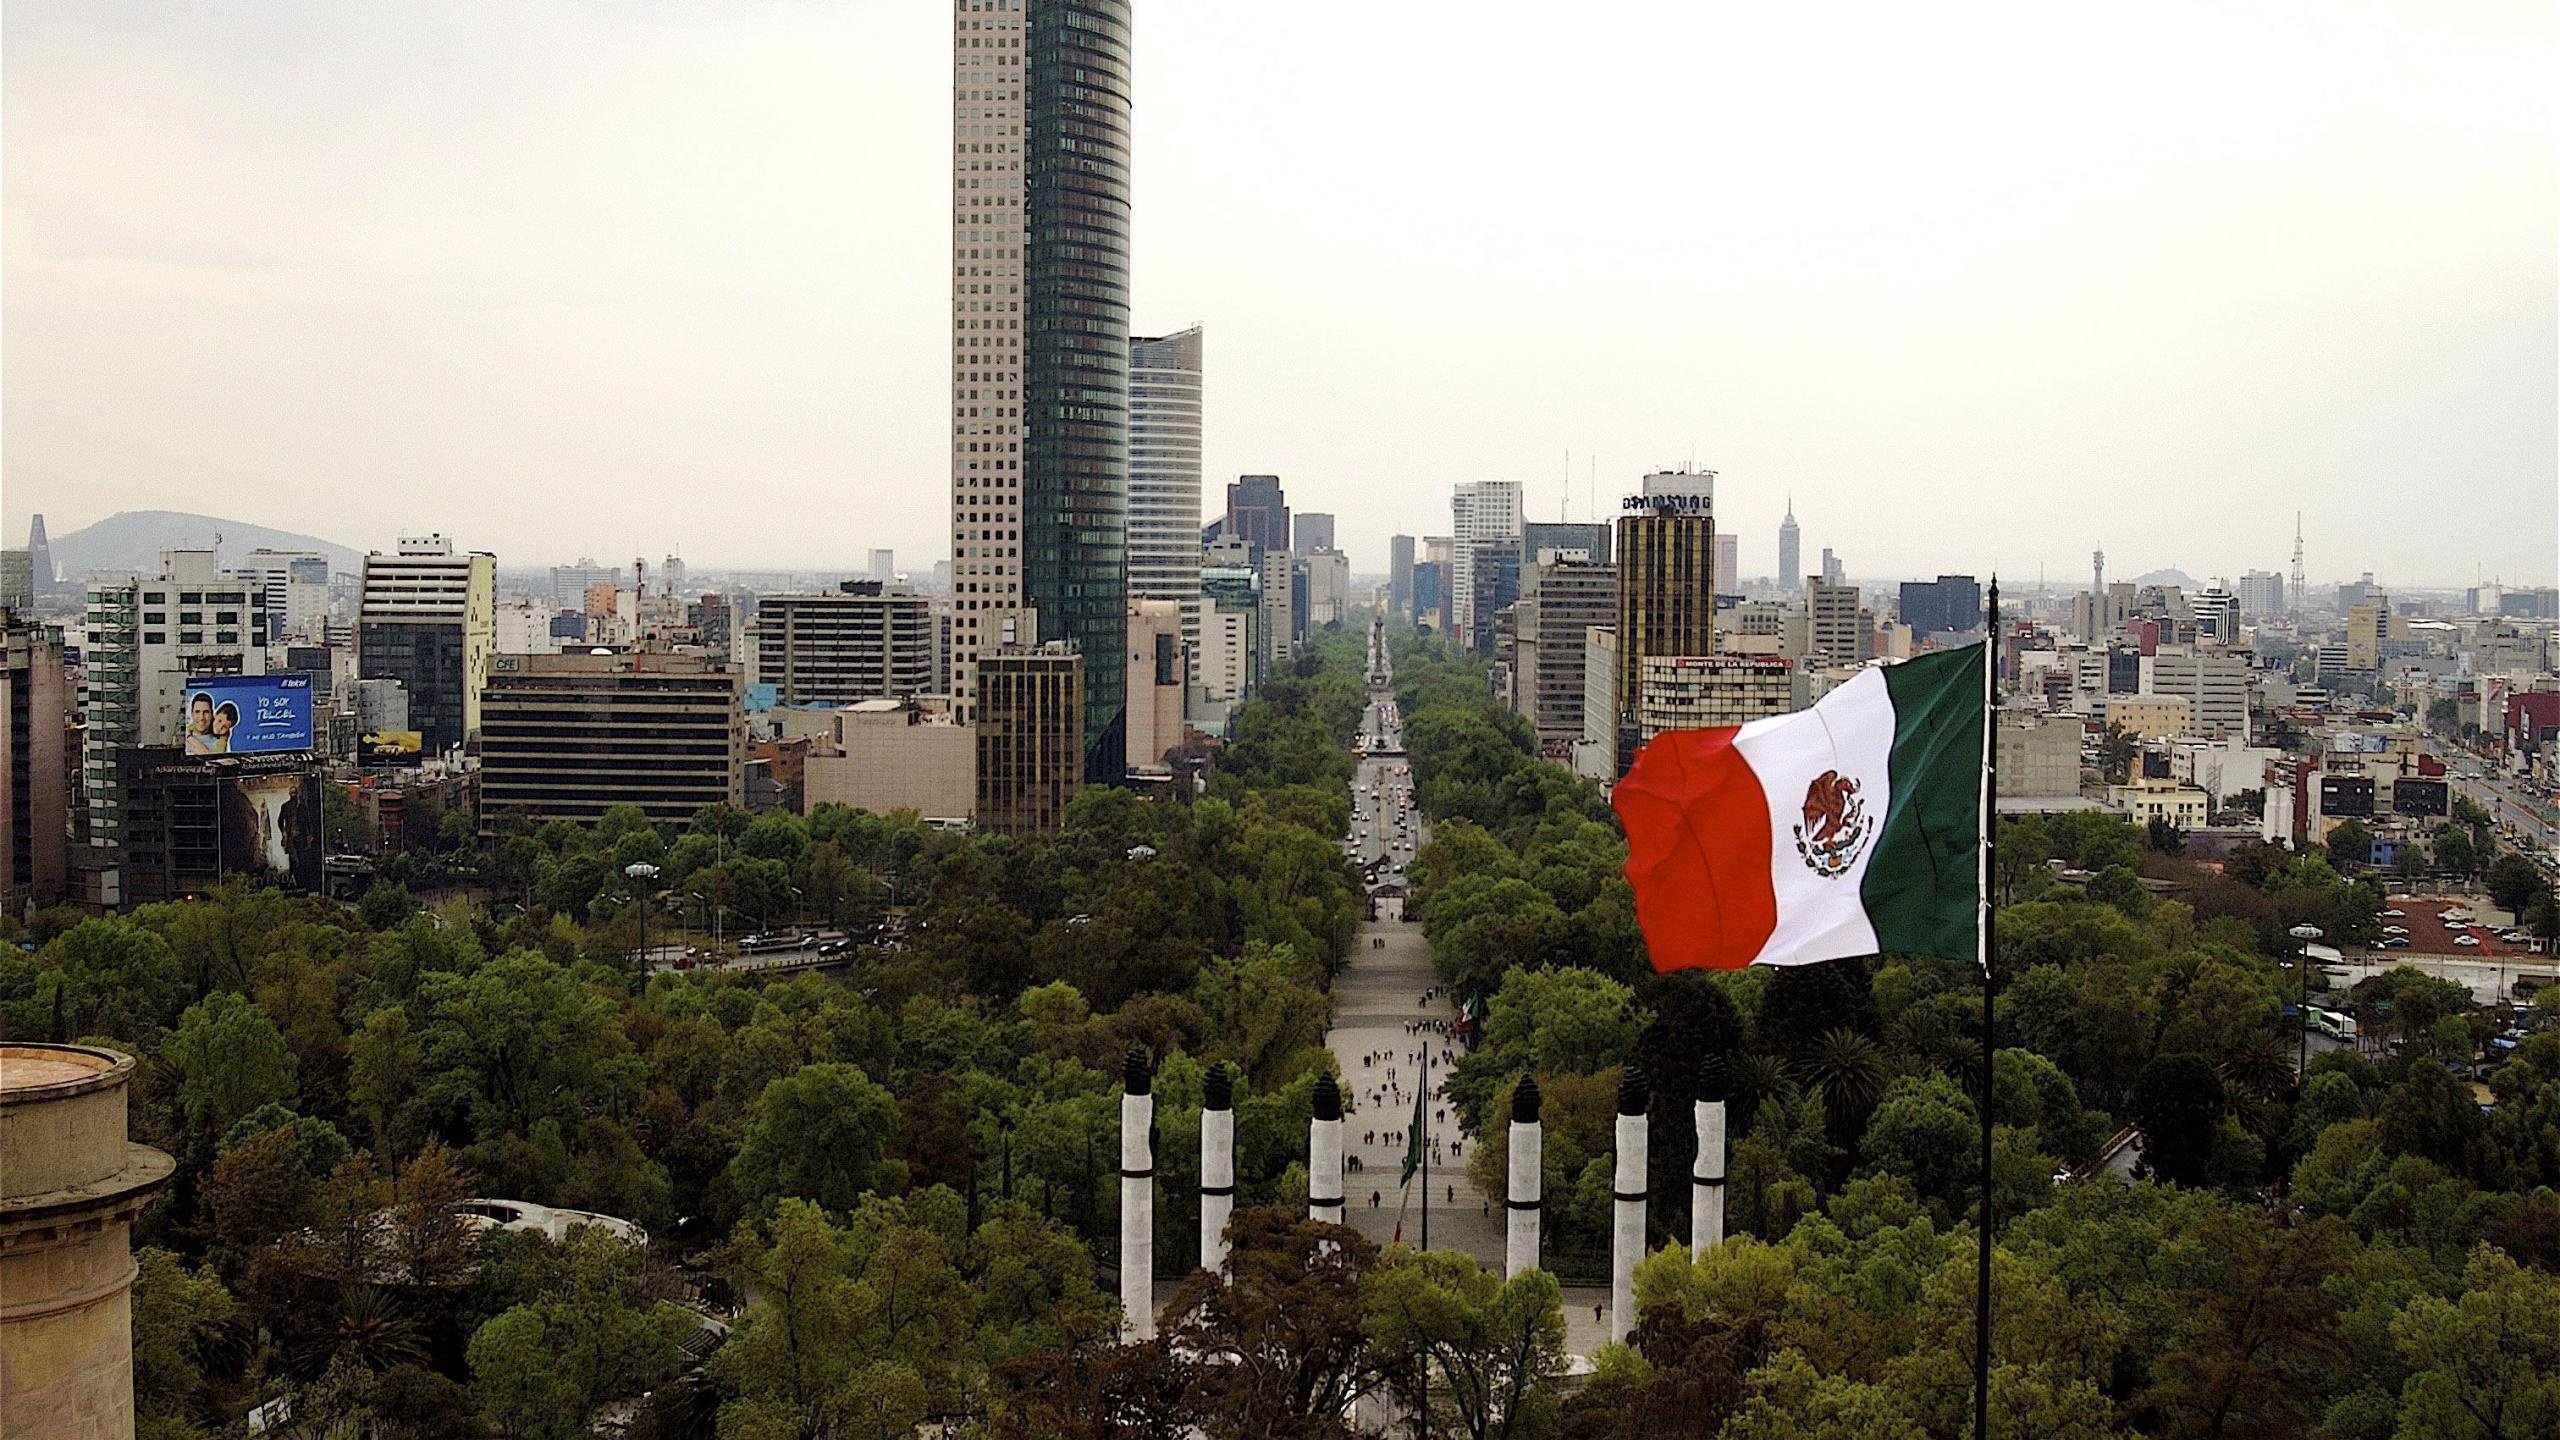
[{"x": 1835, "y": 825}]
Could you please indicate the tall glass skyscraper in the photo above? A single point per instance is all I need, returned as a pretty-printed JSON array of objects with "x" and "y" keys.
[
  {"x": 1164, "y": 475},
  {"x": 1040, "y": 342}
]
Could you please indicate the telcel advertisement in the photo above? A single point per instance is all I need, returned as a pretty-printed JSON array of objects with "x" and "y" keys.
[{"x": 247, "y": 714}]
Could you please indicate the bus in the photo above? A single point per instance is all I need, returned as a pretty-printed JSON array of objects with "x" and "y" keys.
[{"x": 2335, "y": 1024}]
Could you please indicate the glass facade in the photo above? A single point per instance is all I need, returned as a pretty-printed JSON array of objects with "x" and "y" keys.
[{"x": 1075, "y": 477}]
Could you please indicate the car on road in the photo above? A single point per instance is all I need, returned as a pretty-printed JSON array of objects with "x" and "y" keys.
[{"x": 2391, "y": 942}]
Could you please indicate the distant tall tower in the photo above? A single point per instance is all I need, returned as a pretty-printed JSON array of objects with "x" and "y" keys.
[
  {"x": 1040, "y": 343},
  {"x": 40, "y": 557},
  {"x": 2098, "y": 572},
  {"x": 1164, "y": 474},
  {"x": 2293, "y": 602},
  {"x": 1790, "y": 550}
]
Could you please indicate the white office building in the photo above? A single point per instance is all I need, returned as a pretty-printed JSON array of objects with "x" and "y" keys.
[
  {"x": 1164, "y": 476},
  {"x": 1483, "y": 510}
]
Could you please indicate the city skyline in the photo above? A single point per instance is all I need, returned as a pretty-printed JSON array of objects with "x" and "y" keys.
[{"x": 239, "y": 285}]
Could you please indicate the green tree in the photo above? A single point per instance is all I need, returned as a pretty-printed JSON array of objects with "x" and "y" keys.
[
  {"x": 1926, "y": 1131},
  {"x": 2513, "y": 883},
  {"x": 517, "y": 1039},
  {"x": 2179, "y": 1103},
  {"x": 231, "y": 1060},
  {"x": 1494, "y": 1349},
  {"x": 2350, "y": 845},
  {"x": 1279, "y": 1335},
  {"x": 180, "y": 1320},
  {"x": 2485, "y": 1364},
  {"x": 818, "y": 1133},
  {"x": 591, "y": 1333}
]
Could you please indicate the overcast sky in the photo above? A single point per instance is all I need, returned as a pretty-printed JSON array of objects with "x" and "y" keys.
[{"x": 1982, "y": 285}]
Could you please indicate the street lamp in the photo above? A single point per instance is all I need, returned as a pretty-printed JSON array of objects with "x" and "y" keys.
[
  {"x": 2302, "y": 962},
  {"x": 640, "y": 873}
]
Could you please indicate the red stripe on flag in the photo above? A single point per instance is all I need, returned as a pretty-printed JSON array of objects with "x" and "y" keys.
[{"x": 1697, "y": 828}]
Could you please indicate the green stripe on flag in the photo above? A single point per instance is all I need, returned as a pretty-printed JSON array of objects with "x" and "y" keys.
[{"x": 1921, "y": 886}]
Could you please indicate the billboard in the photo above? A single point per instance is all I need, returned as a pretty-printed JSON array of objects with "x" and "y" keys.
[
  {"x": 247, "y": 714},
  {"x": 391, "y": 745},
  {"x": 271, "y": 826}
]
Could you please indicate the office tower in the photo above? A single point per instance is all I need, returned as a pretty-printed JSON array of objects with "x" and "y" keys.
[
  {"x": 1701, "y": 692},
  {"x": 1257, "y": 513},
  {"x": 1165, "y": 419},
  {"x": 672, "y": 572},
  {"x": 1790, "y": 551},
  {"x": 2214, "y": 687},
  {"x": 35, "y": 789},
  {"x": 1728, "y": 569},
  {"x": 860, "y": 641},
  {"x": 1277, "y": 597},
  {"x": 17, "y": 580},
  {"x": 1400, "y": 577},
  {"x": 1834, "y": 632},
  {"x": 428, "y": 618},
  {"x": 570, "y": 583},
  {"x": 2368, "y": 625},
  {"x": 1833, "y": 572},
  {"x": 1948, "y": 603},
  {"x": 2217, "y": 613},
  {"x": 1328, "y": 580},
  {"x": 1040, "y": 343},
  {"x": 1666, "y": 584},
  {"x": 1031, "y": 758},
  {"x": 297, "y": 583},
  {"x": 2261, "y": 595},
  {"x": 1588, "y": 539},
  {"x": 1486, "y": 517},
  {"x": 1158, "y": 675},
  {"x": 1310, "y": 531},
  {"x": 40, "y": 558},
  {"x": 1431, "y": 596},
  {"x": 1559, "y": 602},
  {"x": 565, "y": 737},
  {"x": 884, "y": 566},
  {"x": 144, "y": 640}
]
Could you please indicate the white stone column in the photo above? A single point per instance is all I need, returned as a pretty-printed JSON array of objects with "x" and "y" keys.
[
  {"x": 1527, "y": 1179},
  {"x": 1137, "y": 1201},
  {"x": 1324, "y": 1154},
  {"x": 1628, "y": 1243},
  {"x": 1217, "y": 1166},
  {"x": 1706, "y": 1175}
]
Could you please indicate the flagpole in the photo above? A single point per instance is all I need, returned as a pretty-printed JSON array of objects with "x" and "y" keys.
[{"x": 1983, "y": 940}]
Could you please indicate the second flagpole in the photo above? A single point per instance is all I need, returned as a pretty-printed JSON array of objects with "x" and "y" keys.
[{"x": 1983, "y": 922}]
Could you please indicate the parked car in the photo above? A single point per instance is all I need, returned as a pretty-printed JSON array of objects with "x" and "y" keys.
[
  {"x": 2394, "y": 914},
  {"x": 2466, "y": 939}
]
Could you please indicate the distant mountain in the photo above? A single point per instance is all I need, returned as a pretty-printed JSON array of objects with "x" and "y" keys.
[
  {"x": 2179, "y": 578},
  {"x": 133, "y": 540}
]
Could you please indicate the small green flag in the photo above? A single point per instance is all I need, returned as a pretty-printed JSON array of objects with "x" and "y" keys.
[{"x": 1413, "y": 1138}]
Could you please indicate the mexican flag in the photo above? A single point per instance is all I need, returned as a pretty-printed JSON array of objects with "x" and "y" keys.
[{"x": 1852, "y": 828}]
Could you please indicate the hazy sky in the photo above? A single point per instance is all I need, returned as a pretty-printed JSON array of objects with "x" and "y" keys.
[{"x": 1981, "y": 284}]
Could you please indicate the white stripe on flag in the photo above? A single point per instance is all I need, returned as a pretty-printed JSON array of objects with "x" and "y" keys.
[{"x": 1822, "y": 917}]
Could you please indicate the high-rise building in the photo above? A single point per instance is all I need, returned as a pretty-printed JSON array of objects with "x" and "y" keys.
[
  {"x": 1310, "y": 530},
  {"x": 1040, "y": 343},
  {"x": 1948, "y": 603},
  {"x": 2217, "y": 613},
  {"x": 1790, "y": 550},
  {"x": 884, "y": 566},
  {"x": 566, "y": 737},
  {"x": 1431, "y": 595},
  {"x": 1486, "y": 516},
  {"x": 1258, "y": 513},
  {"x": 40, "y": 558},
  {"x": 1559, "y": 602},
  {"x": 1030, "y": 746},
  {"x": 1587, "y": 539},
  {"x": 1328, "y": 577},
  {"x": 428, "y": 618},
  {"x": 1728, "y": 563},
  {"x": 143, "y": 640},
  {"x": 2368, "y": 625},
  {"x": 1834, "y": 632},
  {"x": 570, "y": 584},
  {"x": 17, "y": 580},
  {"x": 1666, "y": 580},
  {"x": 1400, "y": 577},
  {"x": 1158, "y": 676},
  {"x": 1165, "y": 421},
  {"x": 860, "y": 641},
  {"x": 1702, "y": 692},
  {"x": 297, "y": 584},
  {"x": 35, "y": 788},
  {"x": 1278, "y": 597},
  {"x": 2215, "y": 688},
  {"x": 1833, "y": 572},
  {"x": 2261, "y": 595}
]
